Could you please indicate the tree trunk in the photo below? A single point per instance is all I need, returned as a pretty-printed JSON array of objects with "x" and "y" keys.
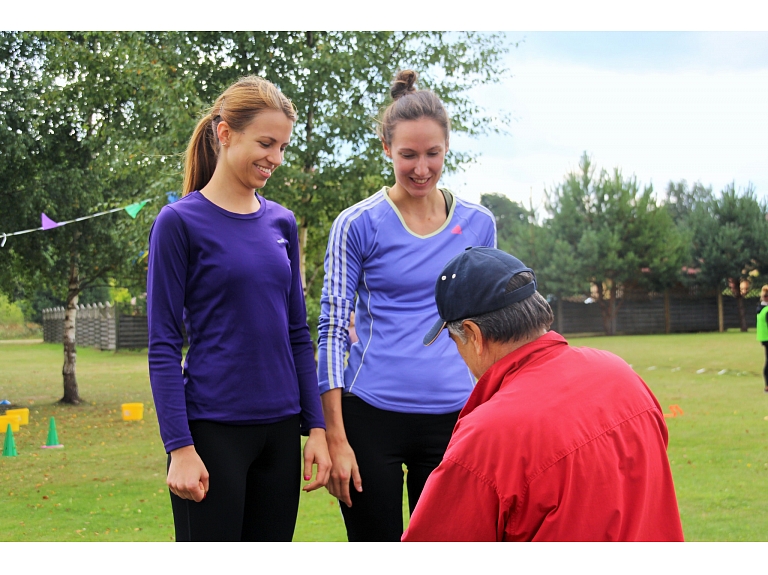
[
  {"x": 303, "y": 231},
  {"x": 720, "y": 322},
  {"x": 608, "y": 309},
  {"x": 740, "y": 304},
  {"x": 309, "y": 167},
  {"x": 71, "y": 394},
  {"x": 605, "y": 310}
]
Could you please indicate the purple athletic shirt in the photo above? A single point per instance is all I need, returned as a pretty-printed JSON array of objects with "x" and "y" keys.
[{"x": 234, "y": 280}]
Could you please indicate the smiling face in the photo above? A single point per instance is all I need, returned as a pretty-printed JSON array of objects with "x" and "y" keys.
[
  {"x": 418, "y": 151},
  {"x": 252, "y": 155}
]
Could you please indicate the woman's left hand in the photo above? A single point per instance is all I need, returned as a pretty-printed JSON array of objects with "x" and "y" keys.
[{"x": 316, "y": 453}]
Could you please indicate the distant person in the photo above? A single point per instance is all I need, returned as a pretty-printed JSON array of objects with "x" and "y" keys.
[
  {"x": 395, "y": 403},
  {"x": 225, "y": 261},
  {"x": 555, "y": 443},
  {"x": 762, "y": 329}
]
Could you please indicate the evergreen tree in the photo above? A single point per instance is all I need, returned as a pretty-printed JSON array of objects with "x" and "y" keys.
[
  {"x": 610, "y": 234},
  {"x": 730, "y": 242}
]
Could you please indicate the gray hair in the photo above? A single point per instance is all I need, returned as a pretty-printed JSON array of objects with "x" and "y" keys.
[{"x": 517, "y": 321}]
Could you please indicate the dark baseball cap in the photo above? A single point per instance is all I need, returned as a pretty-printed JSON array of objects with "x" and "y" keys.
[{"x": 474, "y": 283}]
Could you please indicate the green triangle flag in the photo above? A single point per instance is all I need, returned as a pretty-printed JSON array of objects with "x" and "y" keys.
[{"x": 134, "y": 209}]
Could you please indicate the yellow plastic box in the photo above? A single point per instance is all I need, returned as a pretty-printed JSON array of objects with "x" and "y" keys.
[
  {"x": 14, "y": 420},
  {"x": 23, "y": 412},
  {"x": 133, "y": 411}
]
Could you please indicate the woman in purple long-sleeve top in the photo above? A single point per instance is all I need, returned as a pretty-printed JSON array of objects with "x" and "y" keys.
[{"x": 225, "y": 261}]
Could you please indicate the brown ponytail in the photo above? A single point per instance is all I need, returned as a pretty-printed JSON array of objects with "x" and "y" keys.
[
  {"x": 238, "y": 106},
  {"x": 201, "y": 156},
  {"x": 411, "y": 104}
]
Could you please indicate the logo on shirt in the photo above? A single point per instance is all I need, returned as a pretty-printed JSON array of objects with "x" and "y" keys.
[
  {"x": 282, "y": 241},
  {"x": 456, "y": 230}
]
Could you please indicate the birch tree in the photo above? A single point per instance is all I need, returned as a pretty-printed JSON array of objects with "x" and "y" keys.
[{"x": 74, "y": 114}]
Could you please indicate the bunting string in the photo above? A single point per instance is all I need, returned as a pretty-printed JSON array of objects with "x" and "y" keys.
[{"x": 47, "y": 223}]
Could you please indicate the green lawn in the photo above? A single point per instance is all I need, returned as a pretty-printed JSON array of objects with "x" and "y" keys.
[{"x": 107, "y": 484}]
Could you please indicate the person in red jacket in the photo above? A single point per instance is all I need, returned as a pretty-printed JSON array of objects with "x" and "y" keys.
[{"x": 556, "y": 443}]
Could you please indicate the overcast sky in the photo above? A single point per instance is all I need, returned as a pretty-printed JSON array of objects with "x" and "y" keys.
[{"x": 660, "y": 105}]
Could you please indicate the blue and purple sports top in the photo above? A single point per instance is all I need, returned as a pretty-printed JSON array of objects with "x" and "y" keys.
[{"x": 372, "y": 255}]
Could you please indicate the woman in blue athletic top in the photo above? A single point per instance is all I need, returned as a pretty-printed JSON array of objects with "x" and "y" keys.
[
  {"x": 396, "y": 401},
  {"x": 225, "y": 261}
]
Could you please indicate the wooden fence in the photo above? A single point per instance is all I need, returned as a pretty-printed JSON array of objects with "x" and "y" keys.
[
  {"x": 103, "y": 326},
  {"x": 653, "y": 314},
  {"x": 109, "y": 328}
]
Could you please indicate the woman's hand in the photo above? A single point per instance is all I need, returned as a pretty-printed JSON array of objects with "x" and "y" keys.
[
  {"x": 344, "y": 464},
  {"x": 187, "y": 475},
  {"x": 316, "y": 453},
  {"x": 343, "y": 469}
]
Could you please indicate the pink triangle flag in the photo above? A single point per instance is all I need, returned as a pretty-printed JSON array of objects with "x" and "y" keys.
[{"x": 48, "y": 223}]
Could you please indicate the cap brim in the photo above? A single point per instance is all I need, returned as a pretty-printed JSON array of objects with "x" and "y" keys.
[{"x": 432, "y": 334}]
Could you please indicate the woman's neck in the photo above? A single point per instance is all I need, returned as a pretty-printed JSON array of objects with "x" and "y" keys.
[
  {"x": 231, "y": 195},
  {"x": 423, "y": 215}
]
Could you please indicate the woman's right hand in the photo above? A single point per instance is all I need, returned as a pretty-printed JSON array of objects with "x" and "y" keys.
[
  {"x": 187, "y": 475},
  {"x": 343, "y": 462},
  {"x": 343, "y": 468}
]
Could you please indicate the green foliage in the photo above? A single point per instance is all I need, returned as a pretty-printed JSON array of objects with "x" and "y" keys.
[
  {"x": 513, "y": 221},
  {"x": 94, "y": 294},
  {"x": 33, "y": 303},
  {"x": 730, "y": 237},
  {"x": 729, "y": 241},
  {"x": 681, "y": 201},
  {"x": 13, "y": 321},
  {"x": 80, "y": 119},
  {"x": 96, "y": 120},
  {"x": 727, "y": 234},
  {"x": 120, "y": 295},
  {"x": 519, "y": 234},
  {"x": 608, "y": 233},
  {"x": 10, "y": 313},
  {"x": 75, "y": 123},
  {"x": 338, "y": 81}
]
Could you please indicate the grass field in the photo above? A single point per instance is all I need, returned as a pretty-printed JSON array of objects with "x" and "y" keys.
[{"x": 107, "y": 484}]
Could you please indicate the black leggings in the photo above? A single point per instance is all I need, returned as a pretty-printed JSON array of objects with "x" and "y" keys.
[
  {"x": 765, "y": 368},
  {"x": 383, "y": 441},
  {"x": 254, "y": 484}
]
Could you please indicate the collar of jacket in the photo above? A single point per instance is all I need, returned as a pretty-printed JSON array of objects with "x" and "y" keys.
[{"x": 495, "y": 376}]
